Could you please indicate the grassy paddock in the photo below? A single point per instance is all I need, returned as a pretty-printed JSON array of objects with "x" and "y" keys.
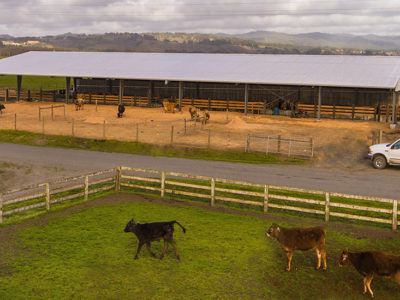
[
  {"x": 59, "y": 141},
  {"x": 86, "y": 254},
  {"x": 34, "y": 83}
]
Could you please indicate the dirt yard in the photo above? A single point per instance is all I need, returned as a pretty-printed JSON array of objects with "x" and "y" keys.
[{"x": 338, "y": 143}]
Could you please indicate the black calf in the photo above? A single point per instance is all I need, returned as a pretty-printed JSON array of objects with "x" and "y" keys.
[{"x": 149, "y": 232}]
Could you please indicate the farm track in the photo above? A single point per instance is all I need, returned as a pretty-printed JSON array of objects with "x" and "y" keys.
[{"x": 30, "y": 165}]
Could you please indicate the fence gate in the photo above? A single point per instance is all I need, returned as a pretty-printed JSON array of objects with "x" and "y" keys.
[{"x": 290, "y": 146}]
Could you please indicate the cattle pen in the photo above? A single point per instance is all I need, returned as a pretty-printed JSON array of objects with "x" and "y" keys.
[{"x": 265, "y": 198}]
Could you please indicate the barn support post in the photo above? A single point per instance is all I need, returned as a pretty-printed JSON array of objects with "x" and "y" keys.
[
  {"x": 19, "y": 83},
  {"x": 246, "y": 98},
  {"x": 180, "y": 94},
  {"x": 67, "y": 88},
  {"x": 394, "y": 121},
  {"x": 266, "y": 192},
  {"x": 121, "y": 91},
  {"x": 319, "y": 103},
  {"x": 6, "y": 96},
  {"x": 394, "y": 221},
  {"x": 212, "y": 191},
  {"x": 74, "y": 85},
  {"x": 327, "y": 203}
]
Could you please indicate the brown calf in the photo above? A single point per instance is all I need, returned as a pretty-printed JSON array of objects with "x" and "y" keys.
[
  {"x": 369, "y": 263},
  {"x": 300, "y": 239}
]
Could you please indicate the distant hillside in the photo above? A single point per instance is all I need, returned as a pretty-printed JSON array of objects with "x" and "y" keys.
[
  {"x": 260, "y": 42},
  {"x": 317, "y": 39}
]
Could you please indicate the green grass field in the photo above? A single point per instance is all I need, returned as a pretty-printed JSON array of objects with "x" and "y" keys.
[
  {"x": 84, "y": 253},
  {"x": 34, "y": 82}
]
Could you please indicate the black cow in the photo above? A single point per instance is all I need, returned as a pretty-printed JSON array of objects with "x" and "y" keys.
[
  {"x": 370, "y": 263},
  {"x": 121, "y": 109},
  {"x": 2, "y": 107},
  {"x": 292, "y": 239},
  {"x": 149, "y": 232}
]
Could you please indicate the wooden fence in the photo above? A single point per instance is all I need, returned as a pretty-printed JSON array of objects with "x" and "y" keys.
[
  {"x": 46, "y": 194},
  {"x": 8, "y": 94},
  {"x": 353, "y": 112},
  {"x": 204, "y": 188},
  {"x": 326, "y": 204}
]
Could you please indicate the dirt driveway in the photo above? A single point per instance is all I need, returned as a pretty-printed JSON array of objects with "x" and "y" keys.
[{"x": 339, "y": 144}]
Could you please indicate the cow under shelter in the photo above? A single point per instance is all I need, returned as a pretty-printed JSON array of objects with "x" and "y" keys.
[{"x": 253, "y": 83}]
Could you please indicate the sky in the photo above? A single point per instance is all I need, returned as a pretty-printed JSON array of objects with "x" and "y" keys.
[{"x": 51, "y": 17}]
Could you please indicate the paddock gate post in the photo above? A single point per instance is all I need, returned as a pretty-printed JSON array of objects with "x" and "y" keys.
[
  {"x": 86, "y": 187},
  {"x": 47, "y": 186},
  {"x": 266, "y": 193},
  {"x": 162, "y": 183},
  {"x": 1, "y": 208},
  {"x": 118, "y": 179},
  {"x": 327, "y": 202},
  {"x": 212, "y": 191},
  {"x": 394, "y": 221},
  {"x": 209, "y": 138}
]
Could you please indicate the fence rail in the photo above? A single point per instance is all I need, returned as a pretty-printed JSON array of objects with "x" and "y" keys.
[
  {"x": 290, "y": 146},
  {"x": 204, "y": 188},
  {"x": 46, "y": 194},
  {"x": 327, "y": 204}
]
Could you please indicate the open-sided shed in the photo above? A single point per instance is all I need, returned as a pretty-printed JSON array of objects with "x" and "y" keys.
[{"x": 367, "y": 79}]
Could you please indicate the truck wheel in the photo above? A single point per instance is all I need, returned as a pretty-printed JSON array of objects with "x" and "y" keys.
[{"x": 379, "y": 162}]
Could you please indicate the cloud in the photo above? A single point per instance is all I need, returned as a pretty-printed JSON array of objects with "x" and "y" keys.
[{"x": 47, "y": 17}]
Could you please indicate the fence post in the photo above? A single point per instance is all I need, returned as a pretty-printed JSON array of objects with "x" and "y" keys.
[
  {"x": 279, "y": 143},
  {"x": 52, "y": 113},
  {"x": 15, "y": 121},
  {"x": 172, "y": 134},
  {"x": 290, "y": 147},
  {"x": 334, "y": 111},
  {"x": 1, "y": 208},
  {"x": 96, "y": 105},
  {"x": 227, "y": 115},
  {"x": 184, "y": 126},
  {"x": 137, "y": 132},
  {"x": 162, "y": 183},
  {"x": 394, "y": 221},
  {"x": 380, "y": 136},
  {"x": 266, "y": 192},
  {"x": 5, "y": 101},
  {"x": 73, "y": 127},
  {"x": 47, "y": 196},
  {"x": 352, "y": 112},
  {"x": 312, "y": 147},
  {"x": 209, "y": 138},
  {"x": 43, "y": 125},
  {"x": 86, "y": 187},
  {"x": 327, "y": 202},
  {"x": 104, "y": 129},
  {"x": 247, "y": 143},
  {"x": 41, "y": 95},
  {"x": 64, "y": 112},
  {"x": 212, "y": 191},
  {"x": 118, "y": 179},
  {"x": 39, "y": 113}
]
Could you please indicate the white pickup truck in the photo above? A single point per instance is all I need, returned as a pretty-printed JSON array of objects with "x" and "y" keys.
[{"x": 385, "y": 154}]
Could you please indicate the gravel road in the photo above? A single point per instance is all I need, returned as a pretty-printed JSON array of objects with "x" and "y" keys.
[{"x": 23, "y": 165}]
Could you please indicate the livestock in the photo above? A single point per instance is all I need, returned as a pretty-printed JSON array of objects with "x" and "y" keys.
[
  {"x": 169, "y": 106},
  {"x": 121, "y": 109},
  {"x": 149, "y": 232},
  {"x": 79, "y": 102},
  {"x": 194, "y": 113},
  {"x": 205, "y": 116},
  {"x": 370, "y": 263},
  {"x": 300, "y": 239},
  {"x": 2, "y": 107},
  {"x": 199, "y": 115}
]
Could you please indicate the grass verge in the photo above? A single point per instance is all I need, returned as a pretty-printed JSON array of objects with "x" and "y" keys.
[
  {"x": 85, "y": 254},
  {"x": 59, "y": 141}
]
